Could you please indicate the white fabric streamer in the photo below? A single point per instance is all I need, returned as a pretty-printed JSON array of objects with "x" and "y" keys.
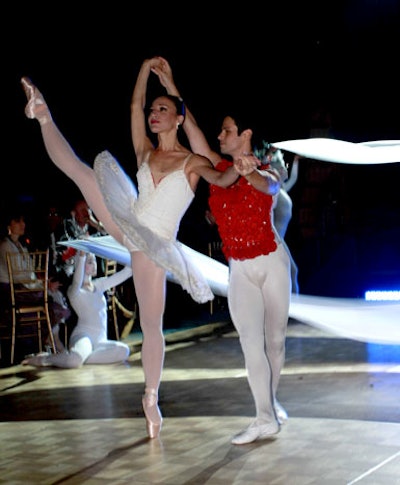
[
  {"x": 366, "y": 321},
  {"x": 331, "y": 150}
]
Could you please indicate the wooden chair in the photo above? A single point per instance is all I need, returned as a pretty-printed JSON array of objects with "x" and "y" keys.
[
  {"x": 111, "y": 268},
  {"x": 28, "y": 275},
  {"x": 114, "y": 304}
]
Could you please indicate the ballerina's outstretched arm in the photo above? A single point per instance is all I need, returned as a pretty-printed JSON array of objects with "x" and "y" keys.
[{"x": 64, "y": 157}]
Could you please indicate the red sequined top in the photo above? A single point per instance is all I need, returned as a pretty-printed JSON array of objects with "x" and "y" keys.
[{"x": 243, "y": 216}]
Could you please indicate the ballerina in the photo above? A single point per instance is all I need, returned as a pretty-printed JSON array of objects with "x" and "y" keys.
[{"x": 146, "y": 224}]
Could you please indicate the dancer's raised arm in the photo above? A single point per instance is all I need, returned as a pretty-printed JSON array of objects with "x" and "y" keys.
[
  {"x": 141, "y": 142},
  {"x": 197, "y": 140}
]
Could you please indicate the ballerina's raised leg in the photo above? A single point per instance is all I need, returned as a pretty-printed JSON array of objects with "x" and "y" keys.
[{"x": 64, "y": 157}]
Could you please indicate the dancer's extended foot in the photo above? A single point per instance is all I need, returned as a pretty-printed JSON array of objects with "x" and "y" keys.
[
  {"x": 36, "y": 107},
  {"x": 38, "y": 360},
  {"x": 152, "y": 412}
]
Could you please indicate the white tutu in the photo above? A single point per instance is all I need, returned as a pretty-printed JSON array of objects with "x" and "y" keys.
[{"x": 120, "y": 196}]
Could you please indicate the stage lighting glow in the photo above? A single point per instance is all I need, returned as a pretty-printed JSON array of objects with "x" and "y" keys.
[{"x": 380, "y": 295}]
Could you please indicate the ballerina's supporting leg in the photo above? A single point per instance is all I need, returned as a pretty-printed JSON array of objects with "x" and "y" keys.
[{"x": 150, "y": 287}]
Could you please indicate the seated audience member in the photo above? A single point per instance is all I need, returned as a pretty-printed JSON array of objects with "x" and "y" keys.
[
  {"x": 15, "y": 242},
  {"x": 88, "y": 343}
]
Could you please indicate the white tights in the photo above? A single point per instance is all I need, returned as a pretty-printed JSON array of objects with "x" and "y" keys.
[
  {"x": 150, "y": 287},
  {"x": 259, "y": 298}
]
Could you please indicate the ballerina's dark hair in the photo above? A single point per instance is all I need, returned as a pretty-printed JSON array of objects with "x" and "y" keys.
[{"x": 179, "y": 104}]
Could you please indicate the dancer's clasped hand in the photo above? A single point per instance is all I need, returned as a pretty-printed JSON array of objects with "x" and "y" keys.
[{"x": 246, "y": 164}]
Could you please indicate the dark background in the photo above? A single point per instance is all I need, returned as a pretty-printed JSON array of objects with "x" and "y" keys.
[{"x": 287, "y": 62}]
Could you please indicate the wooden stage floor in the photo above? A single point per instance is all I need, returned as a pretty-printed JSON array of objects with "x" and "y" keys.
[{"x": 86, "y": 426}]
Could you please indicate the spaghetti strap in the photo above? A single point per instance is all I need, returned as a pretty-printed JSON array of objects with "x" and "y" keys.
[{"x": 186, "y": 161}]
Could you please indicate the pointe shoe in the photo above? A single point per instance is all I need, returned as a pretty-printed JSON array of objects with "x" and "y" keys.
[
  {"x": 36, "y": 107},
  {"x": 152, "y": 412}
]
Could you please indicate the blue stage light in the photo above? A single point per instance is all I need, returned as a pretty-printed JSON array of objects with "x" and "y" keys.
[{"x": 381, "y": 295}]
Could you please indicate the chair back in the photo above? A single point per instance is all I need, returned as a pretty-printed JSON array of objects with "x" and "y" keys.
[
  {"x": 113, "y": 303},
  {"x": 111, "y": 296},
  {"x": 28, "y": 273},
  {"x": 111, "y": 267}
]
